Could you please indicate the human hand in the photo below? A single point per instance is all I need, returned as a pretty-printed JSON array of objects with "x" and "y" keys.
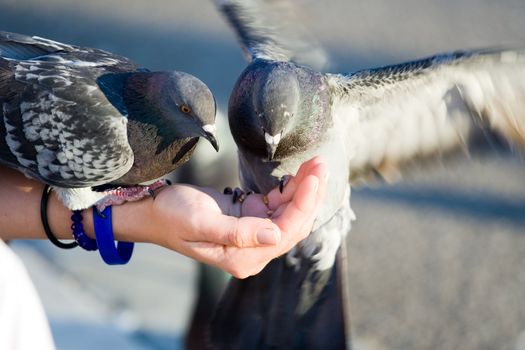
[{"x": 195, "y": 221}]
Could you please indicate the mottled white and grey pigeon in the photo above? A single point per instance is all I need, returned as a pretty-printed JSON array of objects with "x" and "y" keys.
[
  {"x": 372, "y": 121},
  {"x": 91, "y": 123}
]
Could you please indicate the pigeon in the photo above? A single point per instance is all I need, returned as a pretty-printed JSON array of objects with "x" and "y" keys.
[
  {"x": 373, "y": 122},
  {"x": 94, "y": 125}
]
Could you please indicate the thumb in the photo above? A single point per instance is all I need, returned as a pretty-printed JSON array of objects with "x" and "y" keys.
[{"x": 239, "y": 232}]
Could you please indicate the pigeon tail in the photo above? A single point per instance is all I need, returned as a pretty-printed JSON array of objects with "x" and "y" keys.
[{"x": 285, "y": 307}]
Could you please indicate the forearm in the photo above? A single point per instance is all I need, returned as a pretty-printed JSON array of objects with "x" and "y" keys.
[
  {"x": 20, "y": 213},
  {"x": 200, "y": 223}
]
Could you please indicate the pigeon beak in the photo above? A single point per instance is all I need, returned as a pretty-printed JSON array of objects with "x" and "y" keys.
[
  {"x": 271, "y": 144},
  {"x": 209, "y": 134}
]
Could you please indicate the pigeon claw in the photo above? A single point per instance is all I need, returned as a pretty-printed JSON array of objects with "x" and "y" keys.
[
  {"x": 158, "y": 185},
  {"x": 238, "y": 195},
  {"x": 283, "y": 182},
  {"x": 151, "y": 193},
  {"x": 130, "y": 194},
  {"x": 99, "y": 208}
]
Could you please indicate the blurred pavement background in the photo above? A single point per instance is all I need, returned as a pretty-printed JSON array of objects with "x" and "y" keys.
[{"x": 436, "y": 262}]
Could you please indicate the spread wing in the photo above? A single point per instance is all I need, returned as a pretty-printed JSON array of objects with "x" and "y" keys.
[
  {"x": 403, "y": 113},
  {"x": 57, "y": 125},
  {"x": 273, "y": 30},
  {"x": 15, "y": 46}
]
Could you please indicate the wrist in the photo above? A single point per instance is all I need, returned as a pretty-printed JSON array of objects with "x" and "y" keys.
[
  {"x": 128, "y": 220},
  {"x": 59, "y": 219},
  {"x": 132, "y": 221}
]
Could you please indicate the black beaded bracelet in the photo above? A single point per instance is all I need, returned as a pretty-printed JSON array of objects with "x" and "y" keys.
[{"x": 43, "y": 216}]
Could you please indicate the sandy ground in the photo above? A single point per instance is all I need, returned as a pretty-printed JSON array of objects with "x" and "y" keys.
[{"x": 436, "y": 262}]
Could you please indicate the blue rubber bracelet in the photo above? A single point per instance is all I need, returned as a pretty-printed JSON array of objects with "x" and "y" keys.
[{"x": 111, "y": 254}]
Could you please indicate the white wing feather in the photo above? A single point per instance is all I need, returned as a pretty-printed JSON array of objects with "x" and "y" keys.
[{"x": 398, "y": 114}]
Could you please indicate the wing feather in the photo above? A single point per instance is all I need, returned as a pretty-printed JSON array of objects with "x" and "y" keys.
[
  {"x": 272, "y": 30},
  {"x": 399, "y": 114},
  {"x": 57, "y": 125}
]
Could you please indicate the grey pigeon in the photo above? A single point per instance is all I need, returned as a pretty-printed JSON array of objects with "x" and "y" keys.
[
  {"x": 91, "y": 123},
  {"x": 375, "y": 121}
]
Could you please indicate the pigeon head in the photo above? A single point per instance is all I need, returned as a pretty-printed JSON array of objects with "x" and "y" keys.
[
  {"x": 195, "y": 100},
  {"x": 278, "y": 108},
  {"x": 167, "y": 113},
  {"x": 276, "y": 99},
  {"x": 186, "y": 107}
]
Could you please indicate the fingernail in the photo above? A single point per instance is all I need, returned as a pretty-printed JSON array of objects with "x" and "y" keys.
[
  {"x": 316, "y": 187},
  {"x": 267, "y": 236}
]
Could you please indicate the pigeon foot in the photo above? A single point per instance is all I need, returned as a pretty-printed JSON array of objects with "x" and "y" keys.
[
  {"x": 131, "y": 194},
  {"x": 238, "y": 195}
]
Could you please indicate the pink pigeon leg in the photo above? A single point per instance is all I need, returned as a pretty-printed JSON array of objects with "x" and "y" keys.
[{"x": 130, "y": 194}]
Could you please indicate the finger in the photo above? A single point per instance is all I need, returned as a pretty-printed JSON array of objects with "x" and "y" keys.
[
  {"x": 208, "y": 253},
  {"x": 237, "y": 232},
  {"x": 321, "y": 171},
  {"x": 279, "y": 211},
  {"x": 321, "y": 175},
  {"x": 299, "y": 210},
  {"x": 276, "y": 198},
  {"x": 239, "y": 262},
  {"x": 299, "y": 215}
]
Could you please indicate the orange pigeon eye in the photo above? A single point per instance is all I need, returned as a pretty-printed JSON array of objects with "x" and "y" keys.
[{"x": 185, "y": 109}]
